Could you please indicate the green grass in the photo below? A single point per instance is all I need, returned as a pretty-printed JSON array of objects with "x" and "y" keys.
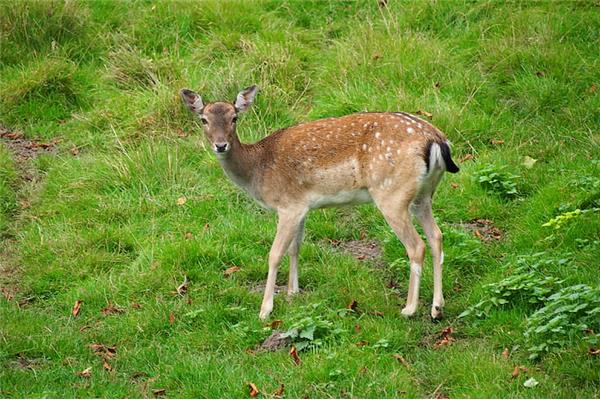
[{"x": 104, "y": 226}]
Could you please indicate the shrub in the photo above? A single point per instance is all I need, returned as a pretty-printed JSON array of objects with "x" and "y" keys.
[{"x": 497, "y": 180}]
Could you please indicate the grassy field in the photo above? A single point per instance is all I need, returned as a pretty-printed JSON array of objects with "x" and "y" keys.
[{"x": 123, "y": 201}]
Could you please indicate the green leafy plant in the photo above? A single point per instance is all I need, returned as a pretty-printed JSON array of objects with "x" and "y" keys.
[
  {"x": 560, "y": 220},
  {"x": 311, "y": 331},
  {"x": 528, "y": 283},
  {"x": 571, "y": 314},
  {"x": 497, "y": 180}
]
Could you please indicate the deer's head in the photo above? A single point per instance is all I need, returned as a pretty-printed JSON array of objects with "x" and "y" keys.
[{"x": 219, "y": 118}]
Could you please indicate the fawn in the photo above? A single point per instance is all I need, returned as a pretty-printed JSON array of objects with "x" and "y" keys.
[{"x": 394, "y": 159}]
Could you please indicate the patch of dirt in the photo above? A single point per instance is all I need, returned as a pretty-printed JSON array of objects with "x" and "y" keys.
[
  {"x": 26, "y": 149},
  {"x": 274, "y": 342},
  {"x": 22, "y": 362},
  {"x": 484, "y": 229},
  {"x": 362, "y": 250},
  {"x": 260, "y": 288}
]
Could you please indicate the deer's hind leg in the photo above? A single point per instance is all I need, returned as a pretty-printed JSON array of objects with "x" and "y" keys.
[
  {"x": 424, "y": 214},
  {"x": 395, "y": 205},
  {"x": 293, "y": 251}
]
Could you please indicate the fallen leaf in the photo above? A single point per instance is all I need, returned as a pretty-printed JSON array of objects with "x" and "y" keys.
[
  {"x": 231, "y": 270},
  {"x": 445, "y": 338},
  {"x": 466, "y": 157},
  {"x": 357, "y": 328},
  {"x": 454, "y": 185},
  {"x": 183, "y": 288},
  {"x": 515, "y": 372},
  {"x": 376, "y": 57},
  {"x": 112, "y": 309},
  {"x": 530, "y": 383},
  {"x": 253, "y": 389},
  {"x": 362, "y": 343},
  {"x": 401, "y": 360},
  {"x": 593, "y": 88},
  {"x": 497, "y": 142},
  {"x": 86, "y": 373},
  {"x": 294, "y": 354},
  {"x": 528, "y": 162},
  {"x": 252, "y": 352},
  {"x": 279, "y": 391},
  {"x": 425, "y": 114},
  {"x": 74, "y": 150},
  {"x": 437, "y": 85},
  {"x": 206, "y": 227},
  {"x": 377, "y": 314},
  {"x": 6, "y": 294},
  {"x": 276, "y": 323},
  {"x": 77, "y": 308},
  {"x": 594, "y": 352},
  {"x": 159, "y": 392},
  {"x": 171, "y": 319},
  {"x": 181, "y": 201},
  {"x": 363, "y": 235},
  {"x": 106, "y": 366},
  {"x": 136, "y": 305},
  {"x": 352, "y": 306},
  {"x": 364, "y": 370},
  {"x": 181, "y": 133},
  {"x": 103, "y": 350},
  {"x": 505, "y": 352},
  {"x": 189, "y": 235},
  {"x": 540, "y": 74}
]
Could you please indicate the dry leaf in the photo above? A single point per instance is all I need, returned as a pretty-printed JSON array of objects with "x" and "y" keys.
[
  {"x": 206, "y": 227},
  {"x": 497, "y": 142},
  {"x": 454, "y": 185},
  {"x": 376, "y": 57},
  {"x": 189, "y": 235},
  {"x": 505, "y": 352},
  {"x": 352, "y": 306},
  {"x": 593, "y": 88},
  {"x": 540, "y": 74},
  {"x": 593, "y": 352},
  {"x": 159, "y": 392},
  {"x": 74, "y": 150},
  {"x": 171, "y": 319},
  {"x": 182, "y": 289},
  {"x": 103, "y": 350},
  {"x": 6, "y": 294},
  {"x": 515, "y": 372},
  {"x": 357, "y": 328},
  {"x": 437, "y": 85},
  {"x": 136, "y": 305},
  {"x": 294, "y": 354},
  {"x": 445, "y": 338},
  {"x": 231, "y": 270},
  {"x": 106, "y": 366},
  {"x": 425, "y": 114},
  {"x": 181, "y": 201},
  {"x": 377, "y": 313},
  {"x": 279, "y": 391},
  {"x": 111, "y": 309},
  {"x": 77, "y": 308},
  {"x": 86, "y": 373},
  {"x": 253, "y": 389},
  {"x": 466, "y": 157},
  {"x": 181, "y": 133},
  {"x": 276, "y": 323},
  {"x": 401, "y": 360},
  {"x": 362, "y": 343}
]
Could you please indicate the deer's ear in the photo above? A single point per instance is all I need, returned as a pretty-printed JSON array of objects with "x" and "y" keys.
[
  {"x": 192, "y": 100},
  {"x": 245, "y": 98}
]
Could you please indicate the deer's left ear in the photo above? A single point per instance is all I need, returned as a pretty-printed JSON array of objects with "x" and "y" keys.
[
  {"x": 192, "y": 100},
  {"x": 245, "y": 98}
]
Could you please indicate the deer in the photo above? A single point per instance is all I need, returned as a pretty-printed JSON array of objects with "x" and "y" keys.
[{"x": 393, "y": 159}]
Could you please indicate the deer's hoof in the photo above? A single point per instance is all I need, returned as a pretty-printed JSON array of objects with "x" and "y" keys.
[{"x": 436, "y": 314}]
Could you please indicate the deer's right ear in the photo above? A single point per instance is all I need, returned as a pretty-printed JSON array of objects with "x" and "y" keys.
[{"x": 192, "y": 100}]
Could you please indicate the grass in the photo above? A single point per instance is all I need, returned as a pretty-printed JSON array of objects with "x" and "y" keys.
[{"x": 504, "y": 81}]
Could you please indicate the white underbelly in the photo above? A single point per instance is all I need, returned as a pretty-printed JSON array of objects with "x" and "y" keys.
[{"x": 345, "y": 197}]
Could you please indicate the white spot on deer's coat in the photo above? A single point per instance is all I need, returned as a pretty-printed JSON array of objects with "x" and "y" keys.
[
  {"x": 365, "y": 147},
  {"x": 388, "y": 149},
  {"x": 375, "y": 124},
  {"x": 377, "y": 134},
  {"x": 398, "y": 151},
  {"x": 380, "y": 157},
  {"x": 410, "y": 131},
  {"x": 365, "y": 125},
  {"x": 396, "y": 126}
]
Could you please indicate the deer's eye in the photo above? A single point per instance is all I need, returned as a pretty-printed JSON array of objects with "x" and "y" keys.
[
  {"x": 204, "y": 121},
  {"x": 234, "y": 120}
]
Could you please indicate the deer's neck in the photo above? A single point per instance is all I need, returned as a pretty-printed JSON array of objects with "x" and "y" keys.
[{"x": 240, "y": 164}]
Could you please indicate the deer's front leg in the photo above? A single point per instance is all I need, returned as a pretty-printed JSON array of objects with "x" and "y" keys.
[{"x": 287, "y": 227}]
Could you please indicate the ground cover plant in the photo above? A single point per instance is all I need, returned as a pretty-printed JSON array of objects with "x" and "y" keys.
[{"x": 131, "y": 267}]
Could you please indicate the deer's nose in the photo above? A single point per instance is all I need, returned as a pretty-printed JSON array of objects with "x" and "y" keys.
[{"x": 221, "y": 147}]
